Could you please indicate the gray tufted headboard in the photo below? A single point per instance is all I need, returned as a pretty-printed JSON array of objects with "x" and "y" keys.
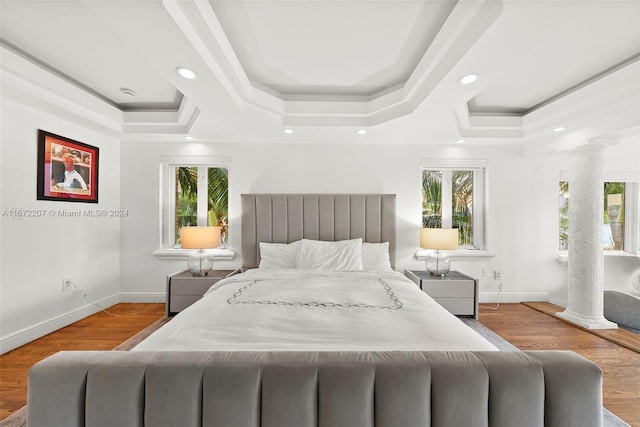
[{"x": 285, "y": 218}]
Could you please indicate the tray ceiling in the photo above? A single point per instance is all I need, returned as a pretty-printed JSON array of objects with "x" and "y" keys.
[{"x": 329, "y": 65}]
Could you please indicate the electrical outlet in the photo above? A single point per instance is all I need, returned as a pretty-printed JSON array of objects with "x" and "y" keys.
[
  {"x": 66, "y": 284},
  {"x": 484, "y": 272},
  {"x": 496, "y": 274}
]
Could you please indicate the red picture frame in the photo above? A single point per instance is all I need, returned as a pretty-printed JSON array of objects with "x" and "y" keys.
[{"x": 67, "y": 169}]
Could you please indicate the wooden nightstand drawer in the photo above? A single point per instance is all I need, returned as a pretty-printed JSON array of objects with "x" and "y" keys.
[
  {"x": 455, "y": 292},
  {"x": 191, "y": 287},
  {"x": 183, "y": 288},
  {"x": 180, "y": 302},
  {"x": 450, "y": 288},
  {"x": 459, "y": 306}
]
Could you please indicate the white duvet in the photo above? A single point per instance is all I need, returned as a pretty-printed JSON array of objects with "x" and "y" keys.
[{"x": 263, "y": 310}]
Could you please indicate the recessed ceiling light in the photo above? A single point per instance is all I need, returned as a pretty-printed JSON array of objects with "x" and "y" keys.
[
  {"x": 189, "y": 138},
  {"x": 187, "y": 73},
  {"x": 128, "y": 92},
  {"x": 460, "y": 141},
  {"x": 560, "y": 128},
  {"x": 469, "y": 78},
  {"x": 288, "y": 131},
  {"x": 361, "y": 132}
]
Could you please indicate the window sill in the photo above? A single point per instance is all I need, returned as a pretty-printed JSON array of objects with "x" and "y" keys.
[
  {"x": 463, "y": 254},
  {"x": 563, "y": 258},
  {"x": 218, "y": 253}
]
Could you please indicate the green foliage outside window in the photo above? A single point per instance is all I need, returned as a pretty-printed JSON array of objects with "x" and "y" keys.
[
  {"x": 463, "y": 206},
  {"x": 218, "y": 196},
  {"x": 431, "y": 199},
  {"x": 461, "y": 202},
  {"x": 187, "y": 198},
  {"x": 613, "y": 215}
]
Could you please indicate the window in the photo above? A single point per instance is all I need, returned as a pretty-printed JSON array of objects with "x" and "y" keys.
[
  {"x": 193, "y": 194},
  {"x": 454, "y": 198},
  {"x": 201, "y": 197},
  {"x": 620, "y": 229}
]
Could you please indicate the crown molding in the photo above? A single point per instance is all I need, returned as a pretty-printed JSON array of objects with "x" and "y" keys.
[
  {"x": 464, "y": 26},
  {"x": 171, "y": 122},
  {"x": 607, "y": 106},
  {"x": 30, "y": 83}
]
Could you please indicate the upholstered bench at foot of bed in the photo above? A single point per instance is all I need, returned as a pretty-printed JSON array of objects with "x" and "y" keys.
[{"x": 533, "y": 388}]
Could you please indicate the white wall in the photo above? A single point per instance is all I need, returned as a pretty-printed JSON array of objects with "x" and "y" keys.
[
  {"x": 111, "y": 259},
  {"x": 522, "y": 217},
  {"x": 37, "y": 253}
]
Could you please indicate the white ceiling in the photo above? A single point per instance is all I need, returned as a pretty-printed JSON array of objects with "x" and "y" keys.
[
  {"x": 345, "y": 48},
  {"x": 327, "y": 68}
]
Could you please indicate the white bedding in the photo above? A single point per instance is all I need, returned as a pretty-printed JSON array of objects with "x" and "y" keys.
[{"x": 315, "y": 310}]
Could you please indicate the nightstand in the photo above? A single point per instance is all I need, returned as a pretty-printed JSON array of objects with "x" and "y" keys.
[
  {"x": 454, "y": 291},
  {"x": 183, "y": 288}
]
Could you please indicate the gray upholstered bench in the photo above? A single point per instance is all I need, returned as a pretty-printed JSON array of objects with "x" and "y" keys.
[{"x": 535, "y": 388}]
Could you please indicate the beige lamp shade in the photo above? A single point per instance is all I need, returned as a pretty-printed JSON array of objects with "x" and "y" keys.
[
  {"x": 614, "y": 199},
  {"x": 439, "y": 238},
  {"x": 200, "y": 237}
]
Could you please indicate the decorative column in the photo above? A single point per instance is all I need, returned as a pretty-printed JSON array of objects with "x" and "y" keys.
[{"x": 585, "y": 304}]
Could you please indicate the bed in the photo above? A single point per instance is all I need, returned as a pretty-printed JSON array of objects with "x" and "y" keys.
[
  {"x": 317, "y": 330},
  {"x": 296, "y": 310}
]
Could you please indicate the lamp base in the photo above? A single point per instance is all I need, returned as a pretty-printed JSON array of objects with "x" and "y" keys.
[
  {"x": 200, "y": 263},
  {"x": 437, "y": 263},
  {"x": 199, "y": 273}
]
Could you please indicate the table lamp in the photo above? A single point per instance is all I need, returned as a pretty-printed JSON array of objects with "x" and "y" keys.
[
  {"x": 438, "y": 263},
  {"x": 200, "y": 263}
]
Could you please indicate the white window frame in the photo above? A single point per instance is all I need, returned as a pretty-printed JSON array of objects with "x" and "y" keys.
[
  {"x": 632, "y": 218},
  {"x": 631, "y": 207},
  {"x": 167, "y": 177},
  {"x": 480, "y": 203}
]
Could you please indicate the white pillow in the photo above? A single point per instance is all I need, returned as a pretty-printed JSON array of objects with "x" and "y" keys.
[
  {"x": 343, "y": 255},
  {"x": 375, "y": 256},
  {"x": 278, "y": 255}
]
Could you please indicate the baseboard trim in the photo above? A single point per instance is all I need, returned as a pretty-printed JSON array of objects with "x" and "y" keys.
[
  {"x": 143, "y": 297},
  {"x": 38, "y": 330}
]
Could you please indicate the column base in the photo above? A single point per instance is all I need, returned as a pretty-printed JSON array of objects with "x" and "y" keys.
[{"x": 587, "y": 322}]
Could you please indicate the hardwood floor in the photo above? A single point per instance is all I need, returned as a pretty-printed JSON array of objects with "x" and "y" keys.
[
  {"x": 531, "y": 329},
  {"x": 98, "y": 332},
  {"x": 619, "y": 336},
  {"x": 524, "y": 327}
]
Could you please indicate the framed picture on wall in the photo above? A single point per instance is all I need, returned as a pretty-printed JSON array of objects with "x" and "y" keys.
[{"x": 67, "y": 169}]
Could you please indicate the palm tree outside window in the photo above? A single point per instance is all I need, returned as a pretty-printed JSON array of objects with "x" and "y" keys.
[
  {"x": 613, "y": 227},
  {"x": 449, "y": 200},
  {"x": 201, "y": 198}
]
